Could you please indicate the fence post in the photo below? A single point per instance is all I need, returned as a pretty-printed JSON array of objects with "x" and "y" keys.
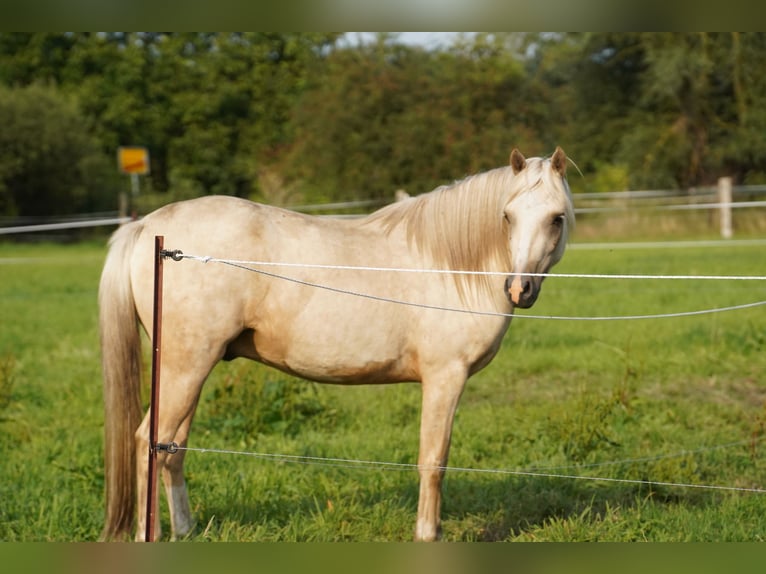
[
  {"x": 724, "y": 200},
  {"x": 151, "y": 486},
  {"x": 123, "y": 208}
]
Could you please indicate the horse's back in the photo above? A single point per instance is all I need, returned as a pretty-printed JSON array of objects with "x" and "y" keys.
[
  {"x": 235, "y": 228},
  {"x": 294, "y": 318}
]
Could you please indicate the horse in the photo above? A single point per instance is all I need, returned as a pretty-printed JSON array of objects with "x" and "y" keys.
[{"x": 509, "y": 224}]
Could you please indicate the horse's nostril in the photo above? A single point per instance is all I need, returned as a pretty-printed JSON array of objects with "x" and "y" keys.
[
  {"x": 526, "y": 287},
  {"x": 521, "y": 290}
]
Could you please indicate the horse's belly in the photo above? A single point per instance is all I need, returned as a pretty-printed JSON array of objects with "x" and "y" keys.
[
  {"x": 347, "y": 372},
  {"x": 352, "y": 361}
]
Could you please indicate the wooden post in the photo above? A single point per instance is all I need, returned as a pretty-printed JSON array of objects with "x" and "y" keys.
[
  {"x": 135, "y": 187},
  {"x": 151, "y": 486},
  {"x": 123, "y": 205},
  {"x": 724, "y": 200}
]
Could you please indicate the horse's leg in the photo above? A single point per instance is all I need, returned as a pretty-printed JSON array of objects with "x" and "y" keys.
[
  {"x": 181, "y": 383},
  {"x": 441, "y": 393},
  {"x": 181, "y": 521}
]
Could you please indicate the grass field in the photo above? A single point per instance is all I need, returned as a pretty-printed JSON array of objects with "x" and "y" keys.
[{"x": 678, "y": 401}]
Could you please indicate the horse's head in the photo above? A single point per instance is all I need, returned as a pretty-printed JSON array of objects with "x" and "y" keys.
[{"x": 539, "y": 216}]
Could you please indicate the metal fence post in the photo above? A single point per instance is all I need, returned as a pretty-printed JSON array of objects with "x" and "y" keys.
[{"x": 151, "y": 486}]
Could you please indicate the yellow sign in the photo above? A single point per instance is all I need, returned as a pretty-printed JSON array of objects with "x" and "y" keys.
[{"x": 133, "y": 160}]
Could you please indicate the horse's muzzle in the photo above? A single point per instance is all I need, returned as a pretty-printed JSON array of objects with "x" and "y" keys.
[{"x": 521, "y": 290}]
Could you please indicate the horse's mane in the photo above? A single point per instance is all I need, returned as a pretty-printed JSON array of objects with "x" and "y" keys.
[{"x": 461, "y": 226}]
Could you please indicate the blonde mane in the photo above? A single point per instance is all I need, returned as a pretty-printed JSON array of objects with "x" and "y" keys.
[{"x": 461, "y": 226}]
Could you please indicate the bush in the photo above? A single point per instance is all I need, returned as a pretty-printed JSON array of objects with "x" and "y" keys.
[
  {"x": 7, "y": 365},
  {"x": 249, "y": 402},
  {"x": 50, "y": 164}
]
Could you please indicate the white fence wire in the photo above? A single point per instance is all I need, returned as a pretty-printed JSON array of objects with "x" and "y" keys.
[
  {"x": 536, "y": 472},
  {"x": 253, "y": 266}
]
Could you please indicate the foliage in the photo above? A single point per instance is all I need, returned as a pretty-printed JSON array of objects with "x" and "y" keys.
[
  {"x": 384, "y": 117},
  {"x": 7, "y": 365},
  {"x": 233, "y": 113},
  {"x": 248, "y": 403},
  {"x": 677, "y": 108},
  {"x": 50, "y": 163},
  {"x": 206, "y": 105},
  {"x": 609, "y": 177}
]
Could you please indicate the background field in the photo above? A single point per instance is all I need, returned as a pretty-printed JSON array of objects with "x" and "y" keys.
[{"x": 686, "y": 397}]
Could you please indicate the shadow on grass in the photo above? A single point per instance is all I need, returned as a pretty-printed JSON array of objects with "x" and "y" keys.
[
  {"x": 474, "y": 508},
  {"x": 492, "y": 509}
]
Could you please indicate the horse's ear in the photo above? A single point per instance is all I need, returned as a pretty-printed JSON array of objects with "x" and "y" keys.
[
  {"x": 559, "y": 161},
  {"x": 517, "y": 161}
]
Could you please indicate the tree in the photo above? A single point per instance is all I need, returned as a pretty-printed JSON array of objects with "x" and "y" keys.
[
  {"x": 210, "y": 107},
  {"x": 233, "y": 118},
  {"x": 50, "y": 163},
  {"x": 677, "y": 109},
  {"x": 236, "y": 113},
  {"x": 386, "y": 116}
]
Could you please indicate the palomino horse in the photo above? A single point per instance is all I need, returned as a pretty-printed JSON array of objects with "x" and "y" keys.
[{"x": 510, "y": 222}]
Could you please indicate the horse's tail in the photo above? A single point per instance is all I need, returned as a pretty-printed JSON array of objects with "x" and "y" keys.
[{"x": 121, "y": 364}]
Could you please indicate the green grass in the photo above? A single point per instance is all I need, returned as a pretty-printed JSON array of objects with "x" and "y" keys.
[{"x": 561, "y": 397}]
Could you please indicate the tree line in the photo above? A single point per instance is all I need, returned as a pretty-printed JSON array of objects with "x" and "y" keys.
[{"x": 310, "y": 117}]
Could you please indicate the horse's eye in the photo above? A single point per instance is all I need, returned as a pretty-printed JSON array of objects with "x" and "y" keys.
[{"x": 558, "y": 221}]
